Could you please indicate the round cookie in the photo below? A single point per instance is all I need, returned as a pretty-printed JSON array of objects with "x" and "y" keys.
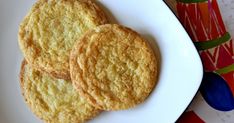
[
  {"x": 49, "y": 31},
  {"x": 113, "y": 67},
  {"x": 53, "y": 100}
]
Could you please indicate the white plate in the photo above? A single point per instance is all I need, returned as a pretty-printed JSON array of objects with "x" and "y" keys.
[{"x": 180, "y": 74}]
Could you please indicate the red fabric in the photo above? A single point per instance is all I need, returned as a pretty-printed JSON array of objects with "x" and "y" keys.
[
  {"x": 202, "y": 21},
  {"x": 225, "y": 55},
  {"x": 190, "y": 117}
]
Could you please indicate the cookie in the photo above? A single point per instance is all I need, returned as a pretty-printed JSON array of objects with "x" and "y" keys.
[
  {"x": 49, "y": 31},
  {"x": 113, "y": 67},
  {"x": 53, "y": 100}
]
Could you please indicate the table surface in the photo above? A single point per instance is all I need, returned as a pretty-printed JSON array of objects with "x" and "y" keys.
[{"x": 199, "y": 106}]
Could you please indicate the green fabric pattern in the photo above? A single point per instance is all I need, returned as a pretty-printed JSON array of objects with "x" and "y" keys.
[
  {"x": 227, "y": 69},
  {"x": 204, "y": 45}
]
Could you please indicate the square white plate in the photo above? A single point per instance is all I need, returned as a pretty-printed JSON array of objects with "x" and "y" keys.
[{"x": 180, "y": 72}]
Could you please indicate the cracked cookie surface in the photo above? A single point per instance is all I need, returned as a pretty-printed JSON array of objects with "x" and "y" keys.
[
  {"x": 50, "y": 29},
  {"x": 113, "y": 67},
  {"x": 53, "y": 100}
]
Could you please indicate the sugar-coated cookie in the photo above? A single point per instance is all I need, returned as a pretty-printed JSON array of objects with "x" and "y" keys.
[
  {"x": 50, "y": 29},
  {"x": 53, "y": 100},
  {"x": 113, "y": 67}
]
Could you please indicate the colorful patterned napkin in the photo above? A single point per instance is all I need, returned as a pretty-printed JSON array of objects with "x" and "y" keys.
[{"x": 203, "y": 21}]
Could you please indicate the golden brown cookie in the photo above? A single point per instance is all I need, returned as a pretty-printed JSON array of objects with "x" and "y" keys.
[
  {"x": 53, "y": 100},
  {"x": 49, "y": 31},
  {"x": 113, "y": 67}
]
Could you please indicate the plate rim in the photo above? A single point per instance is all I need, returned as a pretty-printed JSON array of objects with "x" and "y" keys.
[{"x": 200, "y": 61}]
